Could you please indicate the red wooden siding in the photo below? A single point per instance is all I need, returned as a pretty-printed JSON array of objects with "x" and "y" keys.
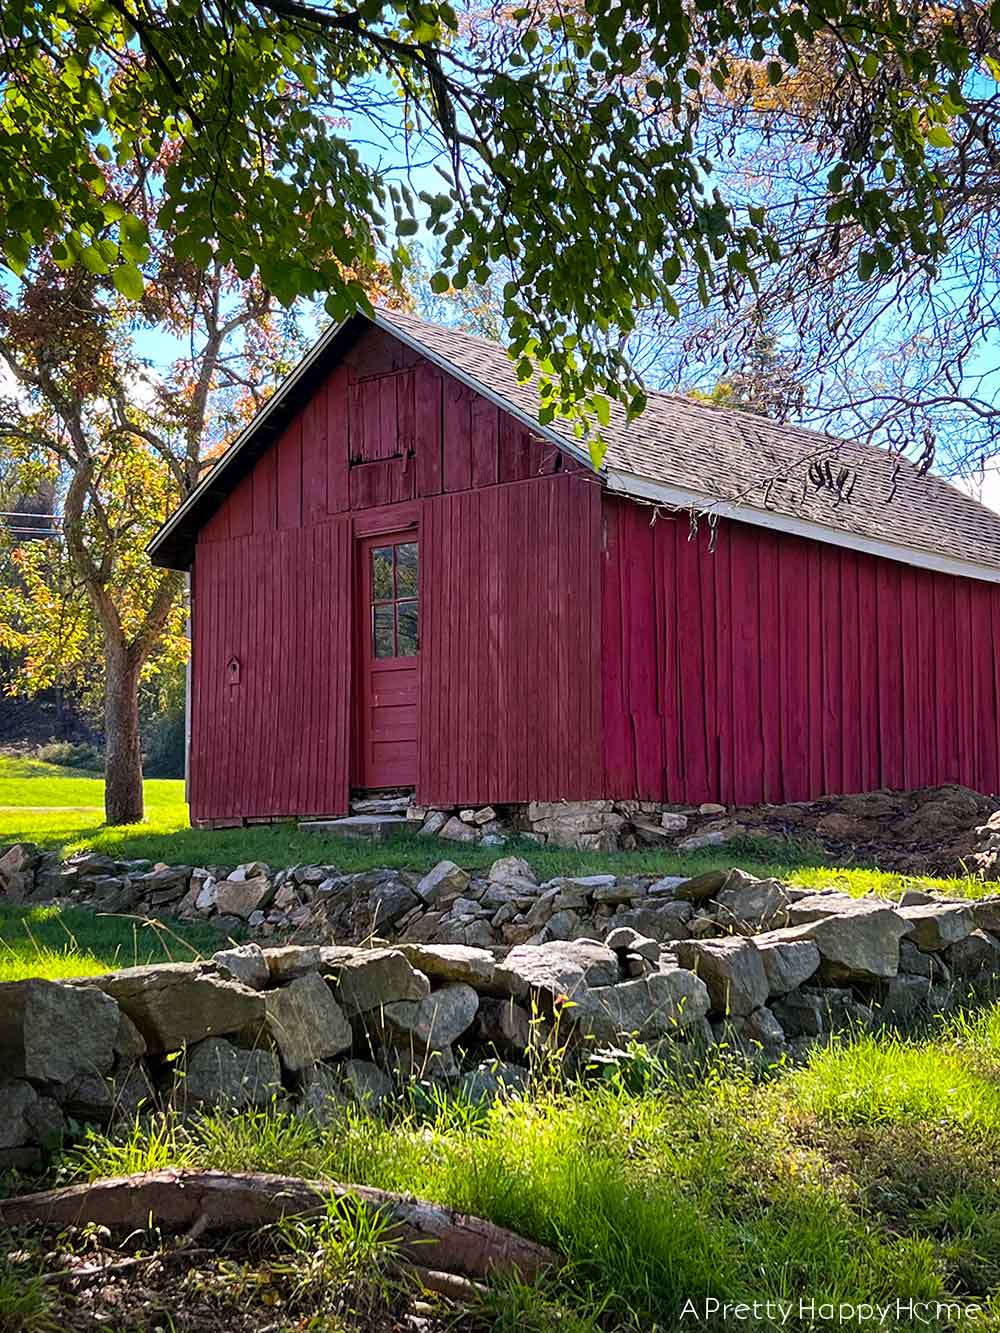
[
  {"x": 778, "y": 669},
  {"x": 374, "y": 435},
  {"x": 271, "y": 734},
  {"x": 510, "y": 650}
]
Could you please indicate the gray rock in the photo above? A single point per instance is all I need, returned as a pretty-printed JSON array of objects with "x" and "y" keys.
[
  {"x": 290, "y": 961},
  {"x": 446, "y": 880},
  {"x": 903, "y": 996},
  {"x": 456, "y": 830},
  {"x": 564, "y": 925},
  {"x": 673, "y": 822},
  {"x": 915, "y": 961},
  {"x": 433, "y": 824},
  {"x": 787, "y": 963},
  {"x": 434, "y": 1022},
  {"x": 51, "y": 1033},
  {"x": 177, "y": 1004},
  {"x": 626, "y": 940},
  {"x": 762, "y": 905},
  {"x": 389, "y": 902},
  {"x": 18, "y": 1100},
  {"x": 761, "y": 1029},
  {"x": 504, "y": 1025},
  {"x": 647, "y": 1007},
  {"x": 700, "y": 887},
  {"x": 365, "y": 979},
  {"x": 977, "y": 956},
  {"x": 511, "y": 869},
  {"x": 87, "y": 1096},
  {"x": 857, "y": 943},
  {"x": 130, "y": 1045},
  {"x": 218, "y": 1074},
  {"x": 558, "y": 968},
  {"x": 241, "y": 898},
  {"x": 667, "y": 886},
  {"x": 987, "y": 913},
  {"x": 323, "y": 1098},
  {"x": 732, "y": 970},
  {"x": 452, "y": 962},
  {"x": 935, "y": 925},
  {"x": 491, "y": 1082},
  {"x": 245, "y": 964},
  {"x": 365, "y": 1083},
  {"x": 306, "y": 1023}
]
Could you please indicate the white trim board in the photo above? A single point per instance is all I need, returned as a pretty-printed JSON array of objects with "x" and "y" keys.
[{"x": 679, "y": 497}]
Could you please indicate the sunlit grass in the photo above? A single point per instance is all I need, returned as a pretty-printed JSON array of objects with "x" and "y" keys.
[
  {"x": 63, "y": 811},
  {"x": 58, "y": 942}
]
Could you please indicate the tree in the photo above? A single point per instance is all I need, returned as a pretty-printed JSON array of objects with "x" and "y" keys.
[
  {"x": 895, "y": 346},
  {"x": 569, "y": 139},
  {"x": 121, "y": 446}
]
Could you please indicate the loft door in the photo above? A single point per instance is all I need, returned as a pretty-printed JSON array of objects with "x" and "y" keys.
[{"x": 389, "y": 665}]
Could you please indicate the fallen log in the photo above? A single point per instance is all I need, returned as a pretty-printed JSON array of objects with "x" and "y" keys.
[{"x": 425, "y": 1233}]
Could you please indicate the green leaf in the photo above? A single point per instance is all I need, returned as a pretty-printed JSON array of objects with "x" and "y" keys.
[
  {"x": 440, "y": 283},
  {"x": 939, "y": 137},
  {"x": 866, "y": 265},
  {"x": 775, "y": 72},
  {"x": 869, "y": 66},
  {"x": 407, "y": 227},
  {"x": 129, "y": 281}
]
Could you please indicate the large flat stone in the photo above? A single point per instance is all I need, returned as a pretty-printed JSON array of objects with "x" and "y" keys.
[
  {"x": 176, "y": 1004},
  {"x": 561, "y": 967},
  {"x": 52, "y": 1033},
  {"x": 369, "y": 828},
  {"x": 647, "y": 1007},
  {"x": 452, "y": 962},
  {"x": 859, "y": 944},
  {"x": 218, "y": 1074}
]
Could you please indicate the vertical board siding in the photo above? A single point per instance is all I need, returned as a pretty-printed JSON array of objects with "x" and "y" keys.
[
  {"x": 510, "y": 702},
  {"x": 786, "y": 669},
  {"x": 276, "y": 742}
]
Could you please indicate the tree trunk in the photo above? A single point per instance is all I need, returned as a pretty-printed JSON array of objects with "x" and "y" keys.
[
  {"x": 122, "y": 753},
  {"x": 422, "y": 1232}
]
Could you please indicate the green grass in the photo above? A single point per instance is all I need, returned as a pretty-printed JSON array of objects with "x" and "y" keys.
[
  {"x": 63, "y": 811},
  {"x": 869, "y": 1175},
  {"x": 72, "y": 942}
]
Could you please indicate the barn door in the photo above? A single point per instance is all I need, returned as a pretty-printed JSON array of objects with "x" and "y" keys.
[
  {"x": 271, "y": 675},
  {"x": 388, "y": 659}
]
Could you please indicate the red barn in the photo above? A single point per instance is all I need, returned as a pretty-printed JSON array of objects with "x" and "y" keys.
[{"x": 399, "y": 579}]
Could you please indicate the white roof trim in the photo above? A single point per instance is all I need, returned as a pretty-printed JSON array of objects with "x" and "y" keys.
[{"x": 680, "y": 497}]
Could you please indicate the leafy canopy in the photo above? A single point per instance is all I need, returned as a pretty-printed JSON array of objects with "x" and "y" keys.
[{"x": 565, "y": 141}]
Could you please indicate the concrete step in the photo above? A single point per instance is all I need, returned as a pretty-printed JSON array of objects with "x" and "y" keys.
[{"x": 370, "y": 828}]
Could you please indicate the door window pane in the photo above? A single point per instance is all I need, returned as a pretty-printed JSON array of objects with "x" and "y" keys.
[
  {"x": 408, "y": 629},
  {"x": 382, "y": 574},
  {"x": 406, "y": 569},
  {"x": 382, "y": 639}
]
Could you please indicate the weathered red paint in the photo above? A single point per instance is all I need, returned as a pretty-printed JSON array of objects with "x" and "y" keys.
[
  {"x": 509, "y": 534},
  {"x": 571, "y": 645},
  {"x": 791, "y": 668}
]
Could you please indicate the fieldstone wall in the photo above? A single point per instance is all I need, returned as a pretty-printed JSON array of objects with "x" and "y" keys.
[
  {"x": 678, "y": 965},
  {"x": 931, "y": 830}
]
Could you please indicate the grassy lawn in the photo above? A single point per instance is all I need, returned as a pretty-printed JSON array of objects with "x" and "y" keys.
[
  {"x": 72, "y": 942},
  {"x": 870, "y": 1175},
  {"x": 62, "y": 810}
]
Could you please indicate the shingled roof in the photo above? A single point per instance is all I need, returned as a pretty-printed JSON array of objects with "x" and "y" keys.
[{"x": 680, "y": 453}]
